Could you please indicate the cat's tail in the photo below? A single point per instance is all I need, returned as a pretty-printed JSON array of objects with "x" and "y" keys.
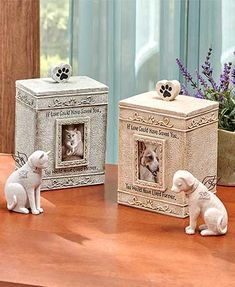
[
  {"x": 222, "y": 224},
  {"x": 13, "y": 204}
]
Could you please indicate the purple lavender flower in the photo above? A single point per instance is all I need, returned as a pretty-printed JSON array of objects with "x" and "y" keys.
[
  {"x": 188, "y": 77},
  {"x": 201, "y": 80},
  {"x": 207, "y": 71},
  {"x": 225, "y": 77},
  {"x": 184, "y": 90},
  {"x": 221, "y": 93},
  {"x": 233, "y": 75},
  {"x": 199, "y": 94}
]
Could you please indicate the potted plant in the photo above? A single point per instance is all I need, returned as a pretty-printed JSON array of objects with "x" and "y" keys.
[{"x": 205, "y": 87}]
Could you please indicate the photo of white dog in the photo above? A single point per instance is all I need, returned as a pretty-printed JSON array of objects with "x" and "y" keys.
[
  {"x": 201, "y": 201},
  {"x": 22, "y": 188},
  {"x": 148, "y": 162}
]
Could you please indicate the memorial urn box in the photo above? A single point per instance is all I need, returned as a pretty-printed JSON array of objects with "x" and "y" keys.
[
  {"x": 69, "y": 120},
  {"x": 157, "y": 138}
]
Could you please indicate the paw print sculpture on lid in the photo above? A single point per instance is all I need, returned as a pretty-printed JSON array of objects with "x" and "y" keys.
[
  {"x": 168, "y": 90},
  {"x": 60, "y": 73}
]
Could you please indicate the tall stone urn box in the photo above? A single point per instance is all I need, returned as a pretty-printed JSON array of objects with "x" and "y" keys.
[
  {"x": 157, "y": 138},
  {"x": 69, "y": 119}
]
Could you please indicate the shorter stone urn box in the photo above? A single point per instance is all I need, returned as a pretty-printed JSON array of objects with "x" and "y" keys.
[
  {"x": 69, "y": 120},
  {"x": 157, "y": 138}
]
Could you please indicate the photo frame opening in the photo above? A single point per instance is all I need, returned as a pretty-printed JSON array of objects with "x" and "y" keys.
[
  {"x": 149, "y": 162},
  {"x": 72, "y": 142}
]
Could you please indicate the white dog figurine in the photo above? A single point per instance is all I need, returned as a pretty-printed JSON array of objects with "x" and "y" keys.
[
  {"x": 22, "y": 188},
  {"x": 201, "y": 201}
]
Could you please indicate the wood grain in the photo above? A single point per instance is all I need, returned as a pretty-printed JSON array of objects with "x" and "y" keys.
[
  {"x": 19, "y": 59},
  {"x": 85, "y": 239}
]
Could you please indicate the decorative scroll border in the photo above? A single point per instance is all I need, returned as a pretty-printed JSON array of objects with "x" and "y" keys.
[
  {"x": 153, "y": 141},
  {"x": 203, "y": 120},
  {"x": 25, "y": 98},
  {"x": 58, "y": 147},
  {"x": 72, "y": 181},
  {"x": 152, "y": 205},
  {"x": 151, "y": 120},
  {"x": 61, "y": 101},
  {"x": 167, "y": 121},
  {"x": 71, "y": 102}
]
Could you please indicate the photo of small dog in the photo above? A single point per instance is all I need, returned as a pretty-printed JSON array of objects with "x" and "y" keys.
[
  {"x": 201, "y": 201},
  {"x": 72, "y": 142},
  {"x": 148, "y": 162}
]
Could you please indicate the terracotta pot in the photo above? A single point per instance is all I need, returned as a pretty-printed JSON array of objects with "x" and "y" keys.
[{"x": 226, "y": 158}]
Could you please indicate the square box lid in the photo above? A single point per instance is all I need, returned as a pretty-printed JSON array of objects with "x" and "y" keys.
[
  {"x": 182, "y": 106},
  {"x": 75, "y": 85}
]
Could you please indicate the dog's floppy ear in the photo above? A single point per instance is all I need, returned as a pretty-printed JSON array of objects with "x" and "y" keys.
[
  {"x": 189, "y": 179},
  {"x": 142, "y": 146},
  {"x": 156, "y": 148}
]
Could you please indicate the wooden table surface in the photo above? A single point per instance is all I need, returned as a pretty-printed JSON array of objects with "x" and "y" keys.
[{"x": 85, "y": 239}]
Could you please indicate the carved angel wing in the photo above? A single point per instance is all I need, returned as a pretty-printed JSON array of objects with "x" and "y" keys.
[{"x": 20, "y": 159}]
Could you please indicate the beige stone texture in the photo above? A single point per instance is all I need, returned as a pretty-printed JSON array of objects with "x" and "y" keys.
[
  {"x": 226, "y": 158},
  {"x": 43, "y": 111},
  {"x": 185, "y": 134}
]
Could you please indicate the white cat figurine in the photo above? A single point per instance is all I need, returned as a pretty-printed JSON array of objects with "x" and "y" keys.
[{"x": 22, "y": 188}]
